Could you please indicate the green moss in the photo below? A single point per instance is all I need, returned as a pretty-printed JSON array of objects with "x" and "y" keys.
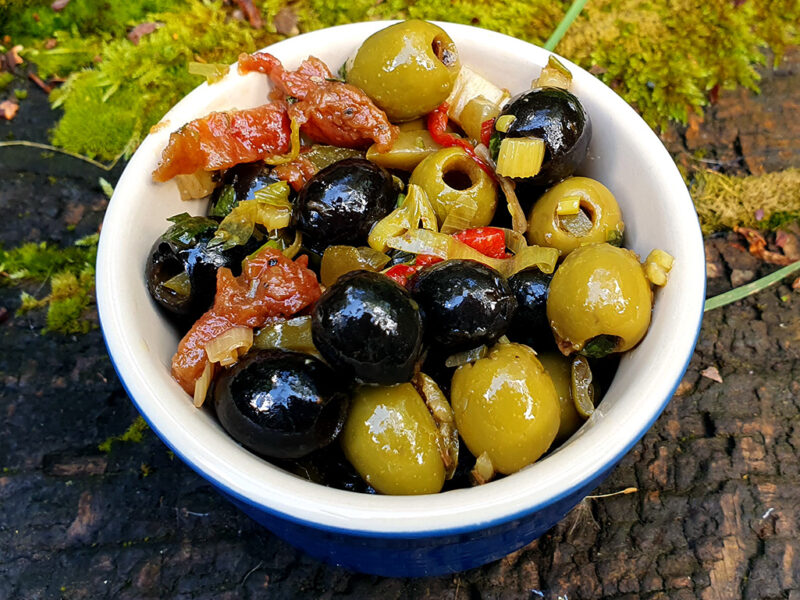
[
  {"x": 723, "y": 201},
  {"x": 108, "y": 109},
  {"x": 662, "y": 57},
  {"x": 133, "y": 433},
  {"x": 5, "y": 79},
  {"x": 70, "y": 272}
]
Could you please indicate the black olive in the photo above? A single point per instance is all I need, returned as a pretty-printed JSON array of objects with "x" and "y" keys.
[
  {"x": 183, "y": 248},
  {"x": 530, "y": 324},
  {"x": 367, "y": 326},
  {"x": 240, "y": 182},
  {"x": 280, "y": 404},
  {"x": 465, "y": 303},
  {"x": 341, "y": 203},
  {"x": 557, "y": 117},
  {"x": 330, "y": 468}
]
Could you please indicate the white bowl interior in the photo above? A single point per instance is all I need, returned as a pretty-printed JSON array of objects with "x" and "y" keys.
[{"x": 624, "y": 154}]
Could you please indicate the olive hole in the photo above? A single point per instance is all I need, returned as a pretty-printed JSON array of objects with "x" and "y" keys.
[
  {"x": 457, "y": 179},
  {"x": 442, "y": 51}
]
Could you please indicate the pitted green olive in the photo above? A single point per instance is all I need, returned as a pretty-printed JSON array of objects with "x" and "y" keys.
[
  {"x": 452, "y": 179},
  {"x": 599, "y": 297},
  {"x": 408, "y": 69},
  {"x": 391, "y": 439},
  {"x": 507, "y": 406},
  {"x": 596, "y": 217},
  {"x": 560, "y": 371}
]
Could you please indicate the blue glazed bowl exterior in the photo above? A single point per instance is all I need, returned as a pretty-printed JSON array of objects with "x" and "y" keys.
[{"x": 424, "y": 556}]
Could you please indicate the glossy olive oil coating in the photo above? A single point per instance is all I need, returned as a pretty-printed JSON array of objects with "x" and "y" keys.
[
  {"x": 408, "y": 69},
  {"x": 450, "y": 178},
  {"x": 530, "y": 325},
  {"x": 392, "y": 441},
  {"x": 367, "y": 326},
  {"x": 599, "y": 290},
  {"x": 280, "y": 404},
  {"x": 560, "y": 371},
  {"x": 599, "y": 219},
  {"x": 506, "y": 405},
  {"x": 341, "y": 203},
  {"x": 465, "y": 303},
  {"x": 557, "y": 117}
]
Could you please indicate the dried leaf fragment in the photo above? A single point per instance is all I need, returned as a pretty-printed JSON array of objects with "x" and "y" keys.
[
  {"x": 8, "y": 109},
  {"x": 711, "y": 373}
]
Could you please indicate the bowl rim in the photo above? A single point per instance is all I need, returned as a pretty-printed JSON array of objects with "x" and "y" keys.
[{"x": 452, "y": 512}]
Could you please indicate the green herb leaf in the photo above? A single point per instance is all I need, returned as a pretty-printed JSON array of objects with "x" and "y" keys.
[
  {"x": 186, "y": 228},
  {"x": 494, "y": 145},
  {"x": 225, "y": 203},
  {"x": 600, "y": 346}
]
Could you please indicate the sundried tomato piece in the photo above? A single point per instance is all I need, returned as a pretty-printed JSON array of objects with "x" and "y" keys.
[
  {"x": 295, "y": 173},
  {"x": 329, "y": 111},
  {"x": 223, "y": 139},
  {"x": 271, "y": 287},
  {"x": 341, "y": 114},
  {"x": 311, "y": 73}
]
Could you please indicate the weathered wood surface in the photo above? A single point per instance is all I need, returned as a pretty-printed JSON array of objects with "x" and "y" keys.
[{"x": 715, "y": 516}]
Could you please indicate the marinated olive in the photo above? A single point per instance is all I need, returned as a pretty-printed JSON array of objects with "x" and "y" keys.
[
  {"x": 408, "y": 69},
  {"x": 452, "y": 179},
  {"x": 530, "y": 325},
  {"x": 560, "y": 371},
  {"x": 280, "y": 404},
  {"x": 341, "y": 203},
  {"x": 181, "y": 269},
  {"x": 575, "y": 212},
  {"x": 465, "y": 303},
  {"x": 557, "y": 117},
  {"x": 239, "y": 183},
  {"x": 507, "y": 406},
  {"x": 391, "y": 439},
  {"x": 329, "y": 467},
  {"x": 599, "y": 297},
  {"x": 368, "y": 326}
]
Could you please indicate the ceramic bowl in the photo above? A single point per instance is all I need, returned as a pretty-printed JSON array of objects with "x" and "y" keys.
[{"x": 456, "y": 530}]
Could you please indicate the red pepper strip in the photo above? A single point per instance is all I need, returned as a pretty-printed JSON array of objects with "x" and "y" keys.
[
  {"x": 487, "y": 128},
  {"x": 489, "y": 241},
  {"x": 401, "y": 273},
  {"x": 437, "y": 123},
  {"x": 424, "y": 260}
]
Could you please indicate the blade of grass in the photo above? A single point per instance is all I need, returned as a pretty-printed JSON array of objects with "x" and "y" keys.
[
  {"x": 572, "y": 13},
  {"x": 751, "y": 288}
]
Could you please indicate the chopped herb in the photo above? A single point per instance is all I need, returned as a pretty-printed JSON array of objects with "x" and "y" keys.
[
  {"x": 600, "y": 346},
  {"x": 494, "y": 145},
  {"x": 225, "y": 203},
  {"x": 186, "y": 228}
]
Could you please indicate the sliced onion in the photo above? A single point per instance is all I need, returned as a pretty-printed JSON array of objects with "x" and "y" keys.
[
  {"x": 443, "y": 416},
  {"x": 420, "y": 241},
  {"x": 292, "y": 250},
  {"x": 181, "y": 284},
  {"x": 483, "y": 472},
  {"x": 202, "y": 384},
  {"x": 468, "y": 356},
  {"x": 415, "y": 209},
  {"x": 294, "y": 151},
  {"x": 460, "y": 217},
  {"x": 582, "y": 388},
  {"x": 227, "y": 347},
  {"x": 196, "y": 185}
]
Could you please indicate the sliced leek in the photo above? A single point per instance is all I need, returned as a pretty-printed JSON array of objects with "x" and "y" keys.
[
  {"x": 475, "y": 113},
  {"x": 520, "y": 157},
  {"x": 415, "y": 211},
  {"x": 554, "y": 74},
  {"x": 468, "y": 85}
]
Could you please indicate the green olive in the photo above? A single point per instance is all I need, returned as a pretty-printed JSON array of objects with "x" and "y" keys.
[
  {"x": 597, "y": 220},
  {"x": 391, "y": 439},
  {"x": 507, "y": 406},
  {"x": 599, "y": 293},
  {"x": 452, "y": 179},
  {"x": 560, "y": 371},
  {"x": 408, "y": 69}
]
